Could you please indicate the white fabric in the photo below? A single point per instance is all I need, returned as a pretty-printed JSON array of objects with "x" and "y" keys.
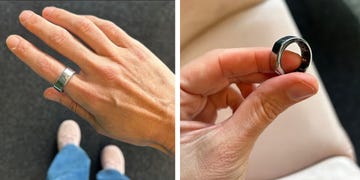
[{"x": 335, "y": 168}]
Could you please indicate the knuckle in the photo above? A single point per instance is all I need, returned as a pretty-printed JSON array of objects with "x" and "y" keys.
[
  {"x": 73, "y": 106},
  {"x": 59, "y": 37},
  {"x": 115, "y": 31},
  {"x": 84, "y": 25},
  {"x": 110, "y": 26},
  {"x": 23, "y": 47},
  {"x": 109, "y": 72}
]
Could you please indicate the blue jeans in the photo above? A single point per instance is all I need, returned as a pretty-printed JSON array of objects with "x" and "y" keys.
[{"x": 73, "y": 163}]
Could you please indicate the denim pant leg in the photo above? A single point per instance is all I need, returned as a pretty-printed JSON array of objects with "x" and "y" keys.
[
  {"x": 70, "y": 163},
  {"x": 110, "y": 174}
]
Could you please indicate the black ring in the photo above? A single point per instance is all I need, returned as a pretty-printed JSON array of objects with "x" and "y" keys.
[{"x": 279, "y": 48}]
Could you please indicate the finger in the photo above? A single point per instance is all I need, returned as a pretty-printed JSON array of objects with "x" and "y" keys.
[
  {"x": 252, "y": 78},
  {"x": 246, "y": 89},
  {"x": 63, "y": 99},
  {"x": 44, "y": 65},
  {"x": 217, "y": 69},
  {"x": 58, "y": 38},
  {"x": 191, "y": 105},
  {"x": 83, "y": 28},
  {"x": 228, "y": 97},
  {"x": 112, "y": 31},
  {"x": 40, "y": 62},
  {"x": 270, "y": 99}
]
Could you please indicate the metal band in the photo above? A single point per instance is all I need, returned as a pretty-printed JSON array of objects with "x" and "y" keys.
[
  {"x": 279, "y": 48},
  {"x": 63, "y": 79}
]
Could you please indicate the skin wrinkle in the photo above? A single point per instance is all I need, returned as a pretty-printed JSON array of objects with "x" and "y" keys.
[
  {"x": 268, "y": 108},
  {"x": 21, "y": 47},
  {"x": 83, "y": 25},
  {"x": 45, "y": 66},
  {"x": 58, "y": 37},
  {"x": 197, "y": 134},
  {"x": 193, "y": 166},
  {"x": 222, "y": 150}
]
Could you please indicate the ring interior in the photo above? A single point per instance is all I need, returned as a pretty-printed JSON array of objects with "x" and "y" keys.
[{"x": 305, "y": 54}]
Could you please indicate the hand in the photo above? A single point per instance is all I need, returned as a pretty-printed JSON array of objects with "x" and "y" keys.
[
  {"x": 123, "y": 90},
  {"x": 220, "y": 150}
]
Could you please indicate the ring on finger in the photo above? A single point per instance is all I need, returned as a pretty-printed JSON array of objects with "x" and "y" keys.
[
  {"x": 279, "y": 48},
  {"x": 63, "y": 79}
]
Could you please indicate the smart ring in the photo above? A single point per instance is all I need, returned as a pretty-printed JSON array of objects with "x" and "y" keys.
[{"x": 279, "y": 48}]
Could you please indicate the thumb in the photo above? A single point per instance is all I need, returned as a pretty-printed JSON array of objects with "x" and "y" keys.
[{"x": 270, "y": 99}]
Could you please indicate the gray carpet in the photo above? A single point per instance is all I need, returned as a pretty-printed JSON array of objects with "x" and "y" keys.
[{"x": 28, "y": 123}]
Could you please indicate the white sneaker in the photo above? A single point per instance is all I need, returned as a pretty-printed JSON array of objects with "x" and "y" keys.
[
  {"x": 68, "y": 133},
  {"x": 113, "y": 158}
]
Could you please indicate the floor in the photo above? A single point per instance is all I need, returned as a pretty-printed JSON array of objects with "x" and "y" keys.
[
  {"x": 332, "y": 27},
  {"x": 29, "y": 122}
]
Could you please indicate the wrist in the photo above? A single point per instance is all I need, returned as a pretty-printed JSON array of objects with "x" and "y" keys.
[{"x": 163, "y": 137}]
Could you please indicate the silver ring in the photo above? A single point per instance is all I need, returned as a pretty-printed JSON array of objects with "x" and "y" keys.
[
  {"x": 63, "y": 79},
  {"x": 279, "y": 48}
]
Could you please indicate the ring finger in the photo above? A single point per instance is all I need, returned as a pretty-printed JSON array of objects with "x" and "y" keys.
[{"x": 44, "y": 65}]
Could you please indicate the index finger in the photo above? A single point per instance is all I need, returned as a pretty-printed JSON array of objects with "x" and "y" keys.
[{"x": 217, "y": 69}]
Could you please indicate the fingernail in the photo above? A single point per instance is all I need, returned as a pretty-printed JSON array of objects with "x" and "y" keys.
[
  {"x": 48, "y": 10},
  {"x": 25, "y": 15},
  {"x": 12, "y": 42},
  {"x": 301, "y": 91}
]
